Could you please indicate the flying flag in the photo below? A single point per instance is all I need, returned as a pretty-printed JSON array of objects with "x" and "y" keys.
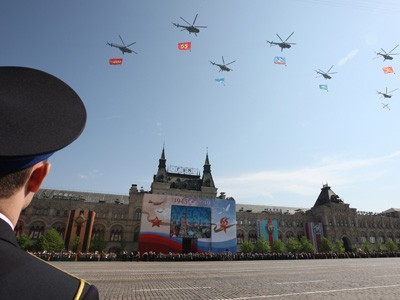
[
  {"x": 279, "y": 60},
  {"x": 387, "y": 70},
  {"x": 323, "y": 87},
  {"x": 115, "y": 61},
  {"x": 220, "y": 80},
  {"x": 185, "y": 46}
]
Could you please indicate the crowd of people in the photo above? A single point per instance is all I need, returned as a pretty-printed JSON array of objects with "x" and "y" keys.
[{"x": 203, "y": 256}]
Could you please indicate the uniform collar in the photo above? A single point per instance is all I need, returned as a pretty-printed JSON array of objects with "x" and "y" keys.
[{"x": 7, "y": 220}]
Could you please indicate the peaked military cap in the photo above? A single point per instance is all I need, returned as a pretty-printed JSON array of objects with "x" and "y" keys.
[{"x": 39, "y": 114}]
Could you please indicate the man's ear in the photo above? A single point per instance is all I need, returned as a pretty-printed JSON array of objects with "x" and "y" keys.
[{"x": 38, "y": 175}]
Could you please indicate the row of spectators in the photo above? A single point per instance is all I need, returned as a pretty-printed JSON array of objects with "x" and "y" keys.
[{"x": 205, "y": 256}]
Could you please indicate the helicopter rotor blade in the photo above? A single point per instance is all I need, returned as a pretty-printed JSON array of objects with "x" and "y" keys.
[
  {"x": 194, "y": 19},
  {"x": 332, "y": 73},
  {"x": 289, "y": 36},
  {"x": 393, "y": 90},
  {"x": 121, "y": 40},
  {"x": 131, "y": 44},
  {"x": 393, "y": 49},
  {"x": 223, "y": 61},
  {"x": 280, "y": 38},
  {"x": 329, "y": 69},
  {"x": 384, "y": 51},
  {"x": 200, "y": 26},
  {"x": 230, "y": 62},
  {"x": 185, "y": 21}
]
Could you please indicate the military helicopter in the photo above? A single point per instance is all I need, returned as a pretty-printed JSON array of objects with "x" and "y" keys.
[
  {"x": 327, "y": 74},
  {"x": 122, "y": 47},
  {"x": 191, "y": 28},
  {"x": 387, "y": 94},
  {"x": 283, "y": 44},
  {"x": 223, "y": 67},
  {"x": 385, "y": 105},
  {"x": 386, "y": 55}
]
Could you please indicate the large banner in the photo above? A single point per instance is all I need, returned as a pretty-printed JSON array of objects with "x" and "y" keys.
[
  {"x": 173, "y": 224},
  {"x": 268, "y": 229},
  {"x": 314, "y": 233}
]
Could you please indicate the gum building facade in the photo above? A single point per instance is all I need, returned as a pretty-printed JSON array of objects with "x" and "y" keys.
[{"x": 117, "y": 218}]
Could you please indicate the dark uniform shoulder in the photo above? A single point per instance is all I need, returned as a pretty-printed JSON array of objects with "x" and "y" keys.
[{"x": 24, "y": 276}]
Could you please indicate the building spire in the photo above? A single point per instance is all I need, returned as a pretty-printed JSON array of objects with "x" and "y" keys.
[
  {"x": 162, "y": 168},
  {"x": 207, "y": 177}
]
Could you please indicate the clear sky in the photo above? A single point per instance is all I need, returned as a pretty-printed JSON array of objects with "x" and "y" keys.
[{"x": 273, "y": 136}]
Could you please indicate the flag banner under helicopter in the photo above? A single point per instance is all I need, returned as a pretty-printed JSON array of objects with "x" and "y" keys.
[
  {"x": 185, "y": 46},
  {"x": 279, "y": 60},
  {"x": 220, "y": 80},
  {"x": 115, "y": 61},
  {"x": 388, "y": 70},
  {"x": 323, "y": 87}
]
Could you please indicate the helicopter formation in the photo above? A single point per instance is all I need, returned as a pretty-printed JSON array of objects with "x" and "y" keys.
[{"x": 283, "y": 44}]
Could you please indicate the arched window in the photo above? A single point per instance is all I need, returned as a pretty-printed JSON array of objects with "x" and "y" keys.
[
  {"x": 60, "y": 227},
  {"x": 240, "y": 237},
  {"x": 289, "y": 234},
  {"x": 98, "y": 231},
  {"x": 36, "y": 231},
  {"x": 138, "y": 214},
  {"x": 116, "y": 234},
  {"x": 252, "y": 237},
  {"x": 372, "y": 238}
]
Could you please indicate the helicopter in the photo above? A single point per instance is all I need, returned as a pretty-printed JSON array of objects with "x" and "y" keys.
[
  {"x": 327, "y": 74},
  {"x": 386, "y": 55},
  {"x": 123, "y": 47},
  {"x": 387, "y": 94},
  {"x": 223, "y": 67},
  {"x": 385, "y": 105},
  {"x": 191, "y": 28},
  {"x": 283, "y": 44}
]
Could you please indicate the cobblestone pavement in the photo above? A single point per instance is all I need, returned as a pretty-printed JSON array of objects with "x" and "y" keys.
[{"x": 374, "y": 278}]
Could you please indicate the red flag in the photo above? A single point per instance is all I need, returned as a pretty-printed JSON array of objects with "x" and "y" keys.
[
  {"x": 387, "y": 70},
  {"x": 185, "y": 46},
  {"x": 115, "y": 61}
]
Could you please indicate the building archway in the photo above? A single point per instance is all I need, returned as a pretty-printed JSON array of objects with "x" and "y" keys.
[{"x": 346, "y": 244}]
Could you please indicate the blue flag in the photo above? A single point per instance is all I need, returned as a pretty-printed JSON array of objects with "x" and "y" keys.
[
  {"x": 323, "y": 87},
  {"x": 220, "y": 80},
  {"x": 279, "y": 60}
]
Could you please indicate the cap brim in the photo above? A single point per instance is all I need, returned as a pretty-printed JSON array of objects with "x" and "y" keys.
[{"x": 39, "y": 113}]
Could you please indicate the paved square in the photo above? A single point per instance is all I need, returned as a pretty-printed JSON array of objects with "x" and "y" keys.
[{"x": 377, "y": 278}]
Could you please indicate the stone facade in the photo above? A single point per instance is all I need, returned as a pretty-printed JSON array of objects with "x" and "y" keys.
[{"x": 118, "y": 216}]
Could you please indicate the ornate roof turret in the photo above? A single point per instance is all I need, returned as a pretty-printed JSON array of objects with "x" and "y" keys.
[
  {"x": 327, "y": 196},
  {"x": 207, "y": 177},
  {"x": 162, "y": 169}
]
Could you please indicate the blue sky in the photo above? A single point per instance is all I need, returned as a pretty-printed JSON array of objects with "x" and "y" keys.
[{"x": 272, "y": 135}]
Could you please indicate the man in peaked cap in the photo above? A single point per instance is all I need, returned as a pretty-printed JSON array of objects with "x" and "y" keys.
[{"x": 39, "y": 114}]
